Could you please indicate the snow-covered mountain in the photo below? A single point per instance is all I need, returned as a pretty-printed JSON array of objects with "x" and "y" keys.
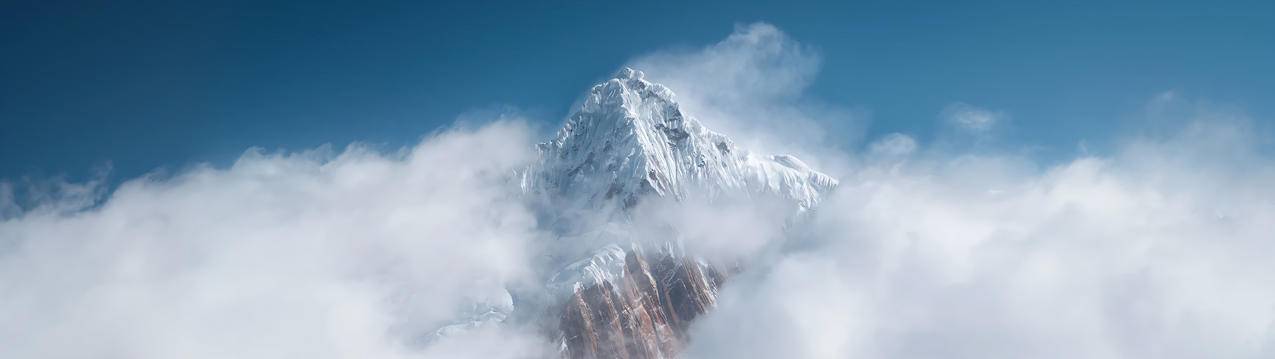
[
  {"x": 630, "y": 141},
  {"x": 630, "y": 138}
]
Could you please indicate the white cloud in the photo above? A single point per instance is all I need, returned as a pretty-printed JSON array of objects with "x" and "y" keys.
[
  {"x": 360, "y": 254},
  {"x": 971, "y": 118},
  {"x": 8, "y": 202},
  {"x": 797, "y": 308},
  {"x": 751, "y": 87},
  {"x": 892, "y": 145},
  {"x": 1157, "y": 250},
  {"x": 724, "y": 230}
]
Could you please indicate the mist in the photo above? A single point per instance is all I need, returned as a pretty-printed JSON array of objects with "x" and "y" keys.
[
  {"x": 968, "y": 247},
  {"x": 1159, "y": 247},
  {"x": 315, "y": 254}
]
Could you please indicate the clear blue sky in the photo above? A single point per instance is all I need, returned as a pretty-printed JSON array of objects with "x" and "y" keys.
[{"x": 161, "y": 84}]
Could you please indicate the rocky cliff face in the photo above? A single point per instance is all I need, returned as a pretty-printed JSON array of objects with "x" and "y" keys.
[{"x": 645, "y": 314}]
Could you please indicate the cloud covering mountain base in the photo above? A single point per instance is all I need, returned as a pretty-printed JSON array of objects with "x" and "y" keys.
[
  {"x": 1161, "y": 250},
  {"x": 310, "y": 254},
  {"x": 1160, "y": 247}
]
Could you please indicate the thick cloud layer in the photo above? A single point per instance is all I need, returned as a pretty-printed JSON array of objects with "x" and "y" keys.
[
  {"x": 357, "y": 254},
  {"x": 1157, "y": 251},
  {"x": 1159, "y": 248}
]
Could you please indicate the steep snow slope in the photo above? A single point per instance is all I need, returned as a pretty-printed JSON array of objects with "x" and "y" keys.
[{"x": 631, "y": 138}]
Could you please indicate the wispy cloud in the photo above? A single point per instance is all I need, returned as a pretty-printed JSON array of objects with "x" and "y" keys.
[
  {"x": 752, "y": 87},
  {"x": 892, "y": 145},
  {"x": 971, "y": 118}
]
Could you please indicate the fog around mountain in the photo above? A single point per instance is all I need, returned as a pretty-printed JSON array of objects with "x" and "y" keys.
[{"x": 954, "y": 245}]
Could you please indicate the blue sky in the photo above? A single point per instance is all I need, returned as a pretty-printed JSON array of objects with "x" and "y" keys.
[{"x": 144, "y": 85}]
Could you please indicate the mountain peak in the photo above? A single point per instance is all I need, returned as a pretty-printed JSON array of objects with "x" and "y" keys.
[
  {"x": 630, "y": 138},
  {"x": 627, "y": 95},
  {"x": 628, "y": 73}
]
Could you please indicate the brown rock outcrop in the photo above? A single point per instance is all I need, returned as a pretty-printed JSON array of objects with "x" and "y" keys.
[{"x": 645, "y": 315}]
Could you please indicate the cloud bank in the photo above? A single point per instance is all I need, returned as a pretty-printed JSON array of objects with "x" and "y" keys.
[
  {"x": 314, "y": 254},
  {"x": 1144, "y": 253},
  {"x": 1159, "y": 248}
]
